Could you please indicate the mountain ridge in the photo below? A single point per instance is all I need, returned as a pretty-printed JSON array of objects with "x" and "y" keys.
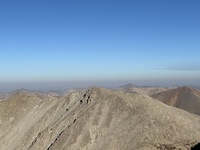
[{"x": 98, "y": 119}]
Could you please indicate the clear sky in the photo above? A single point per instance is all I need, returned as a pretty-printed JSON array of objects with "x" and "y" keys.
[{"x": 90, "y": 40}]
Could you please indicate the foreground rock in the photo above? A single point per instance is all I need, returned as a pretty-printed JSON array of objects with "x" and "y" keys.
[{"x": 99, "y": 119}]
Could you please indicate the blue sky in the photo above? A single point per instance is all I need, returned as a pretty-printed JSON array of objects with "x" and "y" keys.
[{"x": 132, "y": 40}]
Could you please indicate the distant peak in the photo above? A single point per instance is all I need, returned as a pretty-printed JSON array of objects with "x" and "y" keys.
[
  {"x": 20, "y": 91},
  {"x": 129, "y": 85},
  {"x": 23, "y": 92}
]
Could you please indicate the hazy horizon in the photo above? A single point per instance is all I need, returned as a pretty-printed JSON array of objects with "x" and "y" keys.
[
  {"x": 65, "y": 85},
  {"x": 61, "y": 44}
]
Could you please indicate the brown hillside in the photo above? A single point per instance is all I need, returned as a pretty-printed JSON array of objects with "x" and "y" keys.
[{"x": 186, "y": 98}]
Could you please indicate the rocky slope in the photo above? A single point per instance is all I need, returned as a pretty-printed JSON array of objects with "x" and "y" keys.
[
  {"x": 186, "y": 98},
  {"x": 3, "y": 95},
  {"x": 98, "y": 119}
]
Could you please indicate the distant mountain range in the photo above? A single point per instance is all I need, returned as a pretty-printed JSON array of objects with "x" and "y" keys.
[
  {"x": 96, "y": 119},
  {"x": 144, "y": 90}
]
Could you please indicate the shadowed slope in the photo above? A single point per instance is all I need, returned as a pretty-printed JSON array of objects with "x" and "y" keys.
[
  {"x": 184, "y": 97},
  {"x": 100, "y": 119}
]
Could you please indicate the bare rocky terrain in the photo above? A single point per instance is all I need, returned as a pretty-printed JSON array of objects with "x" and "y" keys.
[
  {"x": 3, "y": 95},
  {"x": 186, "y": 98},
  {"x": 98, "y": 119}
]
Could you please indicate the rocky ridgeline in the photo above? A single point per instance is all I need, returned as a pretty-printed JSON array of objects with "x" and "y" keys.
[{"x": 95, "y": 120}]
